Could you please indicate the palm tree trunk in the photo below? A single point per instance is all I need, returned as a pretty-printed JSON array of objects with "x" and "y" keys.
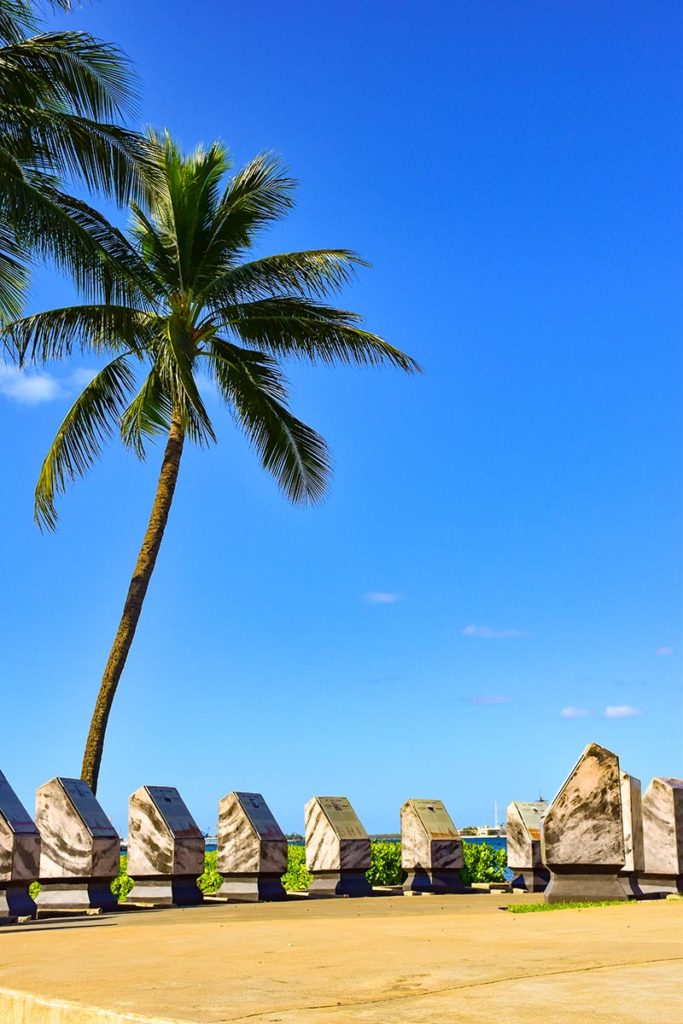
[{"x": 142, "y": 574}]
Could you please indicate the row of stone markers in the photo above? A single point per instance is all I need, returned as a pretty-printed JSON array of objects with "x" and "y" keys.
[{"x": 598, "y": 840}]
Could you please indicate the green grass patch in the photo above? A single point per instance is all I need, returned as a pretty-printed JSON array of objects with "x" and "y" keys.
[{"x": 536, "y": 908}]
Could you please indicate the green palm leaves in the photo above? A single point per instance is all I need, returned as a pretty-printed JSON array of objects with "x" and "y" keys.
[
  {"x": 201, "y": 308},
  {"x": 60, "y": 96}
]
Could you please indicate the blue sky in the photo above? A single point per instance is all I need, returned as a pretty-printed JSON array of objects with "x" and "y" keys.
[{"x": 495, "y": 578}]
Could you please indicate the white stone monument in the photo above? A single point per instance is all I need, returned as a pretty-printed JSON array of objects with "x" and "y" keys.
[
  {"x": 431, "y": 849},
  {"x": 165, "y": 848},
  {"x": 19, "y": 856},
  {"x": 634, "y": 856},
  {"x": 80, "y": 848},
  {"x": 337, "y": 848},
  {"x": 523, "y": 834},
  {"x": 663, "y": 837},
  {"x": 582, "y": 840},
  {"x": 252, "y": 849}
]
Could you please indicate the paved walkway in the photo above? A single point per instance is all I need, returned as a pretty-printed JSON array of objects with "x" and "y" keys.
[{"x": 423, "y": 960}]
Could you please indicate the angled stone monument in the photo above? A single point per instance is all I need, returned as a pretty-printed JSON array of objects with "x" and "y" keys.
[
  {"x": 80, "y": 848},
  {"x": 431, "y": 849},
  {"x": 634, "y": 857},
  {"x": 19, "y": 856},
  {"x": 337, "y": 848},
  {"x": 523, "y": 834},
  {"x": 663, "y": 837},
  {"x": 165, "y": 849},
  {"x": 252, "y": 849},
  {"x": 582, "y": 839}
]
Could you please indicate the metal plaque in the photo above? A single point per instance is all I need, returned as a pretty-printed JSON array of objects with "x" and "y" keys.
[
  {"x": 260, "y": 816},
  {"x": 435, "y": 819},
  {"x": 12, "y": 809},
  {"x": 532, "y": 816},
  {"x": 86, "y": 806},
  {"x": 173, "y": 810},
  {"x": 342, "y": 817}
]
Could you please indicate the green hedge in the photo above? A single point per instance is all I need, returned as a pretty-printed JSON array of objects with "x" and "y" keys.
[{"x": 483, "y": 863}]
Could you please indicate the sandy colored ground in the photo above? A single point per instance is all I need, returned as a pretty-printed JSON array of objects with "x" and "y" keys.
[{"x": 424, "y": 960}]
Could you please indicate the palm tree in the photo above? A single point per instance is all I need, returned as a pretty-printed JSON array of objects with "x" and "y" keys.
[
  {"x": 201, "y": 307},
  {"x": 59, "y": 91}
]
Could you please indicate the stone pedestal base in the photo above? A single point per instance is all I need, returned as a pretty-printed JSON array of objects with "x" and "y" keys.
[
  {"x": 252, "y": 888},
  {"x": 650, "y": 884},
  {"x": 76, "y": 894},
  {"x": 339, "y": 883},
  {"x": 15, "y": 902},
  {"x": 166, "y": 891},
  {"x": 630, "y": 884},
  {"x": 531, "y": 879},
  {"x": 436, "y": 881},
  {"x": 570, "y": 884}
]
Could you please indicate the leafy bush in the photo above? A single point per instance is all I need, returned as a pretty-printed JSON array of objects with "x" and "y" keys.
[
  {"x": 210, "y": 881},
  {"x": 483, "y": 863},
  {"x": 122, "y": 884},
  {"x": 385, "y": 864},
  {"x": 297, "y": 878}
]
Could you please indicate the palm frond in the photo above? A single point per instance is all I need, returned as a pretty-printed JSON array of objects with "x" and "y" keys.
[
  {"x": 175, "y": 368},
  {"x": 147, "y": 416},
  {"x": 13, "y": 274},
  {"x": 315, "y": 272},
  {"x": 54, "y": 334}
]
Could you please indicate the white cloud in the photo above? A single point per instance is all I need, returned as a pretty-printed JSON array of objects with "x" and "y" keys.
[
  {"x": 663, "y": 651},
  {"x": 571, "y": 712},
  {"x": 622, "y": 711},
  {"x": 31, "y": 387},
  {"x": 381, "y": 597},
  {"x": 491, "y": 698},
  {"x": 487, "y": 633}
]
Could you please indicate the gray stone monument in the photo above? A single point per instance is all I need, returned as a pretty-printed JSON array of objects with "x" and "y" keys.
[
  {"x": 165, "y": 848},
  {"x": 252, "y": 849},
  {"x": 634, "y": 857},
  {"x": 663, "y": 837},
  {"x": 80, "y": 848},
  {"x": 431, "y": 849},
  {"x": 582, "y": 840},
  {"x": 523, "y": 833},
  {"x": 19, "y": 856},
  {"x": 337, "y": 848}
]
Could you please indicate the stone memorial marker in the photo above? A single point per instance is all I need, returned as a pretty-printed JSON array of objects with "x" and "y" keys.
[
  {"x": 523, "y": 834},
  {"x": 582, "y": 839},
  {"x": 663, "y": 837},
  {"x": 19, "y": 856},
  {"x": 337, "y": 848},
  {"x": 431, "y": 848},
  {"x": 634, "y": 858},
  {"x": 80, "y": 848},
  {"x": 252, "y": 849},
  {"x": 165, "y": 848}
]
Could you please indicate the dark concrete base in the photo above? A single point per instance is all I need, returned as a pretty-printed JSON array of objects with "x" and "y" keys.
[
  {"x": 167, "y": 891},
  {"x": 436, "y": 881},
  {"x": 577, "y": 884},
  {"x": 76, "y": 894},
  {"x": 15, "y": 902},
  {"x": 252, "y": 888},
  {"x": 630, "y": 884},
  {"x": 339, "y": 883},
  {"x": 651, "y": 884},
  {"x": 530, "y": 879}
]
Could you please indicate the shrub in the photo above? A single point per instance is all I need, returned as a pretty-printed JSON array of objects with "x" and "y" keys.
[
  {"x": 385, "y": 864},
  {"x": 123, "y": 883},
  {"x": 483, "y": 863},
  {"x": 210, "y": 881},
  {"x": 297, "y": 877}
]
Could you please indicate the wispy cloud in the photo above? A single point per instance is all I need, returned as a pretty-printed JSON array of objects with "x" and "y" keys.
[
  {"x": 622, "y": 711},
  {"x": 662, "y": 652},
  {"x": 491, "y": 698},
  {"x": 32, "y": 387},
  {"x": 381, "y": 597},
  {"x": 572, "y": 712},
  {"x": 487, "y": 633}
]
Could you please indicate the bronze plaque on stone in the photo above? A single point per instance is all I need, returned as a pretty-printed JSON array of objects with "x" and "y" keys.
[
  {"x": 342, "y": 817},
  {"x": 435, "y": 819},
  {"x": 260, "y": 816},
  {"x": 13, "y": 811},
  {"x": 173, "y": 810},
  {"x": 532, "y": 816},
  {"x": 86, "y": 806}
]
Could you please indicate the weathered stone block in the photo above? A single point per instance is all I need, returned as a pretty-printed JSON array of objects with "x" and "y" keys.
[
  {"x": 634, "y": 861},
  {"x": 80, "y": 848},
  {"x": 252, "y": 849},
  {"x": 523, "y": 833},
  {"x": 582, "y": 839},
  {"x": 19, "y": 856},
  {"x": 663, "y": 837},
  {"x": 337, "y": 848},
  {"x": 165, "y": 848},
  {"x": 431, "y": 848}
]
